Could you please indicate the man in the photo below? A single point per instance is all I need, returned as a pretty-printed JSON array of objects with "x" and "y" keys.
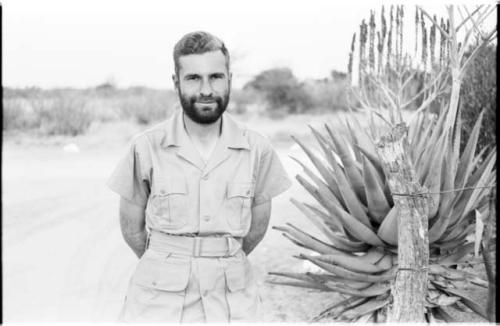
[{"x": 196, "y": 196}]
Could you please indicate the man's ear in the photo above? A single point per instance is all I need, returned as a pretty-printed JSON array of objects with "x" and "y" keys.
[
  {"x": 175, "y": 80},
  {"x": 230, "y": 79}
]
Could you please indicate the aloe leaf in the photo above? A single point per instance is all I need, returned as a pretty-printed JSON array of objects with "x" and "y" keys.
[
  {"x": 318, "y": 195},
  {"x": 465, "y": 166},
  {"x": 341, "y": 240},
  {"x": 339, "y": 307},
  {"x": 388, "y": 230},
  {"x": 357, "y": 229},
  {"x": 440, "y": 313},
  {"x": 351, "y": 200},
  {"x": 350, "y": 275},
  {"x": 351, "y": 171},
  {"x": 378, "y": 206},
  {"x": 306, "y": 240},
  {"x": 302, "y": 284},
  {"x": 323, "y": 171},
  {"x": 365, "y": 308},
  {"x": 333, "y": 237},
  {"x": 351, "y": 262},
  {"x": 433, "y": 179},
  {"x": 329, "y": 193}
]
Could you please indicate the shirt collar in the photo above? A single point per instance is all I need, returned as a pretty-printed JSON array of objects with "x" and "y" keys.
[{"x": 233, "y": 136}]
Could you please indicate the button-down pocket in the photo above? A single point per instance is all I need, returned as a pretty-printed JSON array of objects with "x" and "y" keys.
[
  {"x": 157, "y": 290},
  {"x": 239, "y": 204},
  {"x": 168, "y": 203}
]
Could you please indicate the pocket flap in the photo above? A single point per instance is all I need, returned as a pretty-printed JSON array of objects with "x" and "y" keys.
[
  {"x": 235, "y": 276},
  {"x": 171, "y": 186},
  {"x": 240, "y": 189},
  {"x": 162, "y": 275}
]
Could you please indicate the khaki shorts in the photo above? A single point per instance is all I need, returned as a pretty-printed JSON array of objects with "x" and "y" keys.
[{"x": 170, "y": 287}]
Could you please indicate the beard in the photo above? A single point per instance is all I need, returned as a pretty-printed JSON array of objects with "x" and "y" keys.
[{"x": 204, "y": 114}]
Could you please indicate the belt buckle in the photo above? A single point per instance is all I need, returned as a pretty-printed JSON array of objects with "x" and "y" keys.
[
  {"x": 197, "y": 247},
  {"x": 229, "y": 247}
]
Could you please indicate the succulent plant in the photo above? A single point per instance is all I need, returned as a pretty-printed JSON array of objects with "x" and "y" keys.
[{"x": 356, "y": 214}]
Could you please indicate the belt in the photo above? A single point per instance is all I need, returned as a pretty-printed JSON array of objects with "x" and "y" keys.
[{"x": 193, "y": 246}]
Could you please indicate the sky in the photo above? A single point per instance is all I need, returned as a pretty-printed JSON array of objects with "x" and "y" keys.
[{"x": 82, "y": 43}]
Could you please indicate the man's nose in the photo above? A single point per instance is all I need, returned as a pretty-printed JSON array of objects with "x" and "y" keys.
[{"x": 206, "y": 88}]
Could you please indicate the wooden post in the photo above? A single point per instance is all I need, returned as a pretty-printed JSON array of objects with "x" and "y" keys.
[
  {"x": 409, "y": 289},
  {"x": 488, "y": 250}
]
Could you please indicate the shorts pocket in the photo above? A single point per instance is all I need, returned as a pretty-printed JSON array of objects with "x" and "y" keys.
[
  {"x": 157, "y": 290},
  {"x": 239, "y": 204},
  {"x": 167, "y": 206},
  {"x": 241, "y": 291}
]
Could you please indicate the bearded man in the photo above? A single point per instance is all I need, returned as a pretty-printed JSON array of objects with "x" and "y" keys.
[{"x": 195, "y": 200}]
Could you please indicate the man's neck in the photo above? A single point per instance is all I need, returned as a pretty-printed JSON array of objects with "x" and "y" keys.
[{"x": 202, "y": 132}]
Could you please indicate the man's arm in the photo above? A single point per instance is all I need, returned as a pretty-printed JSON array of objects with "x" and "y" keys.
[
  {"x": 258, "y": 227},
  {"x": 133, "y": 226}
]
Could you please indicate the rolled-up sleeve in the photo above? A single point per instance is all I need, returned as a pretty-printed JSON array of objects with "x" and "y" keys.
[
  {"x": 272, "y": 178},
  {"x": 130, "y": 178}
]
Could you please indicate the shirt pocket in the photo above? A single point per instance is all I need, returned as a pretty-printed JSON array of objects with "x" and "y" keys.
[
  {"x": 167, "y": 206},
  {"x": 158, "y": 288},
  {"x": 239, "y": 204}
]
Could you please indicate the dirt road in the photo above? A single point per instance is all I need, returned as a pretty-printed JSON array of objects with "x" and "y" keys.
[{"x": 64, "y": 258}]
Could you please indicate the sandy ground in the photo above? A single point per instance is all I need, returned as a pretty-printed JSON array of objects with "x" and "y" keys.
[{"x": 63, "y": 255}]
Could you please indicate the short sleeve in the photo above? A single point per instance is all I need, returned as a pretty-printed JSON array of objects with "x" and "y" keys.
[
  {"x": 129, "y": 179},
  {"x": 272, "y": 179}
]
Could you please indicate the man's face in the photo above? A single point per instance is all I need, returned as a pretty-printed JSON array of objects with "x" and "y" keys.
[{"x": 203, "y": 84}]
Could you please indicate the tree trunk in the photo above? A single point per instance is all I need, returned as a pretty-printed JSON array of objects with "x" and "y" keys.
[{"x": 409, "y": 289}]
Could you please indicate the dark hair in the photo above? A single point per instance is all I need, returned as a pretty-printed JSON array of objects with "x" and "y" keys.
[{"x": 198, "y": 43}]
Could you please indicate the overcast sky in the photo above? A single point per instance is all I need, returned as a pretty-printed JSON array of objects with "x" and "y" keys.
[{"x": 81, "y": 43}]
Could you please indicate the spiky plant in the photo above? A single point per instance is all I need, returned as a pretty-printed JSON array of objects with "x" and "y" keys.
[{"x": 358, "y": 219}]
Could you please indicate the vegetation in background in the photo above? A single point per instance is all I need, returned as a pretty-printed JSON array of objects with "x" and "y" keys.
[
  {"x": 72, "y": 111},
  {"x": 478, "y": 93}
]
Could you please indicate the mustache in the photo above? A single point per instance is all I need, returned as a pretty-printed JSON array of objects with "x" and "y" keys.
[{"x": 206, "y": 99}]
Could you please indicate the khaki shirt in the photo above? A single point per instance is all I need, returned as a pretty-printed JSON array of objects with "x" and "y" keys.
[{"x": 165, "y": 173}]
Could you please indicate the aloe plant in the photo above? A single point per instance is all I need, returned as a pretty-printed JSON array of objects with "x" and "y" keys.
[{"x": 356, "y": 212}]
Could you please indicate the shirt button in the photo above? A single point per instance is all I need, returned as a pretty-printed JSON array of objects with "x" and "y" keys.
[
  {"x": 206, "y": 218},
  {"x": 205, "y": 177},
  {"x": 162, "y": 192}
]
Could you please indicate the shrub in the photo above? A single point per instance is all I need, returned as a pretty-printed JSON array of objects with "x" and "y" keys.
[
  {"x": 478, "y": 93},
  {"x": 64, "y": 113},
  {"x": 328, "y": 94},
  {"x": 146, "y": 107},
  {"x": 281, "y": 90},
  {"x": 14, "y": 114}
]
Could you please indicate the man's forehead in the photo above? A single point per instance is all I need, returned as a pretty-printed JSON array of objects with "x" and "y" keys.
[{"x": 213, "y": 61}]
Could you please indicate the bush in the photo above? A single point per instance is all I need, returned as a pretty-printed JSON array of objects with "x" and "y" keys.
[
  {"x": 14, "y": 114},
  {"x": 62, "y": 114},
  {"x": 147, "y": 106},
  {"x": 281, "y": 90},
  {"x": 328, "y": 94},
  {"x": 478, "y": 93}
]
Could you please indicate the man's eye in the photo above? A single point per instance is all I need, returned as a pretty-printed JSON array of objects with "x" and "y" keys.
[
  {"x": 192, "y": 77},
  {"x": 217, "y": 76}
]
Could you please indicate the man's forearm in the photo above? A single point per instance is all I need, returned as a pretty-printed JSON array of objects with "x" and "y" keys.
[
  {"x": 136, "y": 241},
  {"x": 133, "y": 226},
  {"x": 258, "y": 226},
  {"x": 251, "y": 241}
]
